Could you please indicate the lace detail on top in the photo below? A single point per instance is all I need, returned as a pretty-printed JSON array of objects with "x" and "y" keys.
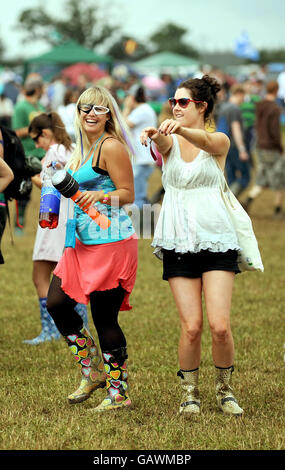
[{"x": 193, "y": 216}]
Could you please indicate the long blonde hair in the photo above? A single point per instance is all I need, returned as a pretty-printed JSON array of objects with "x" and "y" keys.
[{"x": 115, "y": 126}]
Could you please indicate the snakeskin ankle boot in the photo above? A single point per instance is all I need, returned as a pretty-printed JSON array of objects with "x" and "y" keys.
[
  {"x": 190, "y": 398},
  {"x": 224, "y": 394}
]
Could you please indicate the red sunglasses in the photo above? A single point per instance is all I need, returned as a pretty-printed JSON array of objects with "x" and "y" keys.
[{"x": 183, "y": 102}]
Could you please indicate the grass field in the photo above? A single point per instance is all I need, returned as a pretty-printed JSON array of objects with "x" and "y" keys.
[{"x": 37, "y": 379}]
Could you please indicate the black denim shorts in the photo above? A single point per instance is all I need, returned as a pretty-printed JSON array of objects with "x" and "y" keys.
[{"x": 193, "y": 265}]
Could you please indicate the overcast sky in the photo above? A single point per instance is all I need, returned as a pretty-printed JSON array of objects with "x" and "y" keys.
[{"x": 212, "y": 24}]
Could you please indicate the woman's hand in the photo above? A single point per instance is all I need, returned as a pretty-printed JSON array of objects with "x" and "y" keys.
[
  {"x": 36, "y": 180},
  {"x": 56, "y": 165},
  {"x": 169, "y": 126},
  {"x": 88, "y": 198},
  {"x": 129, "y": 104},
  {"x": 148, "y": 133}
]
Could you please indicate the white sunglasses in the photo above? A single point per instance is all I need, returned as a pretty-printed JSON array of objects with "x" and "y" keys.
[{"x": 86, "y": 108}]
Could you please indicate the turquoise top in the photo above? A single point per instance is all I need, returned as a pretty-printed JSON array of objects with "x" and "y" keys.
[{"x": 87, "y": 231}]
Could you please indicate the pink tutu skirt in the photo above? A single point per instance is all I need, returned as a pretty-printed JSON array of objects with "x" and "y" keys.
[{"x": 88, "y": 268}]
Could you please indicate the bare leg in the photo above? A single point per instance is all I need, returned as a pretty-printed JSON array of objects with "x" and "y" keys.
[
  {"x": 278, "y": 198},
  {"x": 255, "y": 192},
  {"x": 41, "y": 276},
  {"x": 218, "y": 287},
  {"x": 187, "y": 296}
]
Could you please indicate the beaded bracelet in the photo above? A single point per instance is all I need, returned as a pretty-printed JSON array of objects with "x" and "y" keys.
[{"x": 105, "y": 198}]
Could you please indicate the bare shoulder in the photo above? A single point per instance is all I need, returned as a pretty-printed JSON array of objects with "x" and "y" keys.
[
  {"x": 113, "y": 146},
  {"x": 114, "y": 156},
  {"x": 223, "y": 139}
]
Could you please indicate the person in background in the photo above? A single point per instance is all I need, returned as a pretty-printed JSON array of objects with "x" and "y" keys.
[
  {"x": 67, "y": 111},
  {"x": 139, "y": 114},
  {"x": 170, "y": 84},
  {"x": 24, "y": 112},
  {"x": 48, "y": 133},
  {"x": 12, "y": 88},
  {"x": 6, "y": 176},
  {"x": 230, "y": 122},
  {"x": 281, "y": 89},
  {"x": 101, "y": 265},
  {"x": 248, "y": 112},
  {"x": 269, "y": 148},
  {"x": 195, "y": 237},
  {"x": 57, "y": 90},
  {"x": 165, "y": 113},
  {"x": 6, "y": 108}
]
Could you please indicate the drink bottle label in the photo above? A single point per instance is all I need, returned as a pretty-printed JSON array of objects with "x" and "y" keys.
[{"x": 50, "y": 200}]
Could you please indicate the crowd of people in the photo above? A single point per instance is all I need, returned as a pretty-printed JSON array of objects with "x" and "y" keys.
[
  {"x": 236, "y": 113},
  {"x": 105, "y": 137}
]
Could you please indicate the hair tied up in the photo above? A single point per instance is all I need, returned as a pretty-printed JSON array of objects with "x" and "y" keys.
[{"x": 213, "y": 84}]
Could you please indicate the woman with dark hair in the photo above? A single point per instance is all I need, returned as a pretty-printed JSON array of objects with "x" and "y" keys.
[
  {"x": 101, "y": 265},
  {"x": 195, "y": 236},
  {"x": 49, "y": 134}
]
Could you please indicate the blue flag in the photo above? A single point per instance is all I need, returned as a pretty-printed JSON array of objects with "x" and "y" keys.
[{"x": 244, "y": 49}]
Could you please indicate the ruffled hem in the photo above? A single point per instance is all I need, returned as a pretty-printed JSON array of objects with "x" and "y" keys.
[
  {"x": 84, "y": 298},
  {"x": 215, "y": 247},
  {"x": 88, "y": 268}
]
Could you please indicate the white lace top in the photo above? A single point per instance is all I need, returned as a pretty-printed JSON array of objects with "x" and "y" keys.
[{"x": 193, "y": 216}]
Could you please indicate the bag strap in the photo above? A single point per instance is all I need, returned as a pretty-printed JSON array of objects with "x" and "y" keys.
[
  {"x": 226, "y": 186},
  {"x": 151, "y": 151},
  {"x": 99, "y": 153}
]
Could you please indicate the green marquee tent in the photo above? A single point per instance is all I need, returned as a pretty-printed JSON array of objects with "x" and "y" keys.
[
  {"x": 68, "y": 53},
  {"x": 165, "y": 61}
]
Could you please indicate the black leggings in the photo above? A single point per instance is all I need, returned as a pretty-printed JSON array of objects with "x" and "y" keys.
[{"x": 105, "y": 306}]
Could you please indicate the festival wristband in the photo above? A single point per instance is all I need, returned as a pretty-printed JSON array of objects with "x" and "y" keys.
[{"x": 105, "y": 198}]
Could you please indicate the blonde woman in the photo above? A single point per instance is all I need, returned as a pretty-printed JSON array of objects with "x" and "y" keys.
[
  {"x": 101, "y": 268},
  {"x": 48, "y": 133}
]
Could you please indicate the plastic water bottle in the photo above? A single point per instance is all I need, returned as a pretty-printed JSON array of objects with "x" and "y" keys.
[{"x": 50, "y": 201}]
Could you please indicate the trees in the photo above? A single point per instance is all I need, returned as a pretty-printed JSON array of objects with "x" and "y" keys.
[
  {"x": 170, "y": 38},
  {"x": 82, "y": 22},
  {"x": 86, "y": 24},
  {"x": 128, "y": 49}
]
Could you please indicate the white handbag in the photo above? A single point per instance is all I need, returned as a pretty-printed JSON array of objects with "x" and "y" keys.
[{"x": 249, "y": 258}]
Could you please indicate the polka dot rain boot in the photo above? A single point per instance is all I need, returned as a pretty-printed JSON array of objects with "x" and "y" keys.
[
  {"x": 226, "y": 401},
  {"x": 190, "y": 399},
  {"x": 87, "y": 356},
  {"x": 81, "y": 309},
  {"x": 117, "y": 381},
  {"x": 49, "y": 330}
]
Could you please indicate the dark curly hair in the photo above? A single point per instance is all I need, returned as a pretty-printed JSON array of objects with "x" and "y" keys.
[{"x": 203, "y": 89}]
